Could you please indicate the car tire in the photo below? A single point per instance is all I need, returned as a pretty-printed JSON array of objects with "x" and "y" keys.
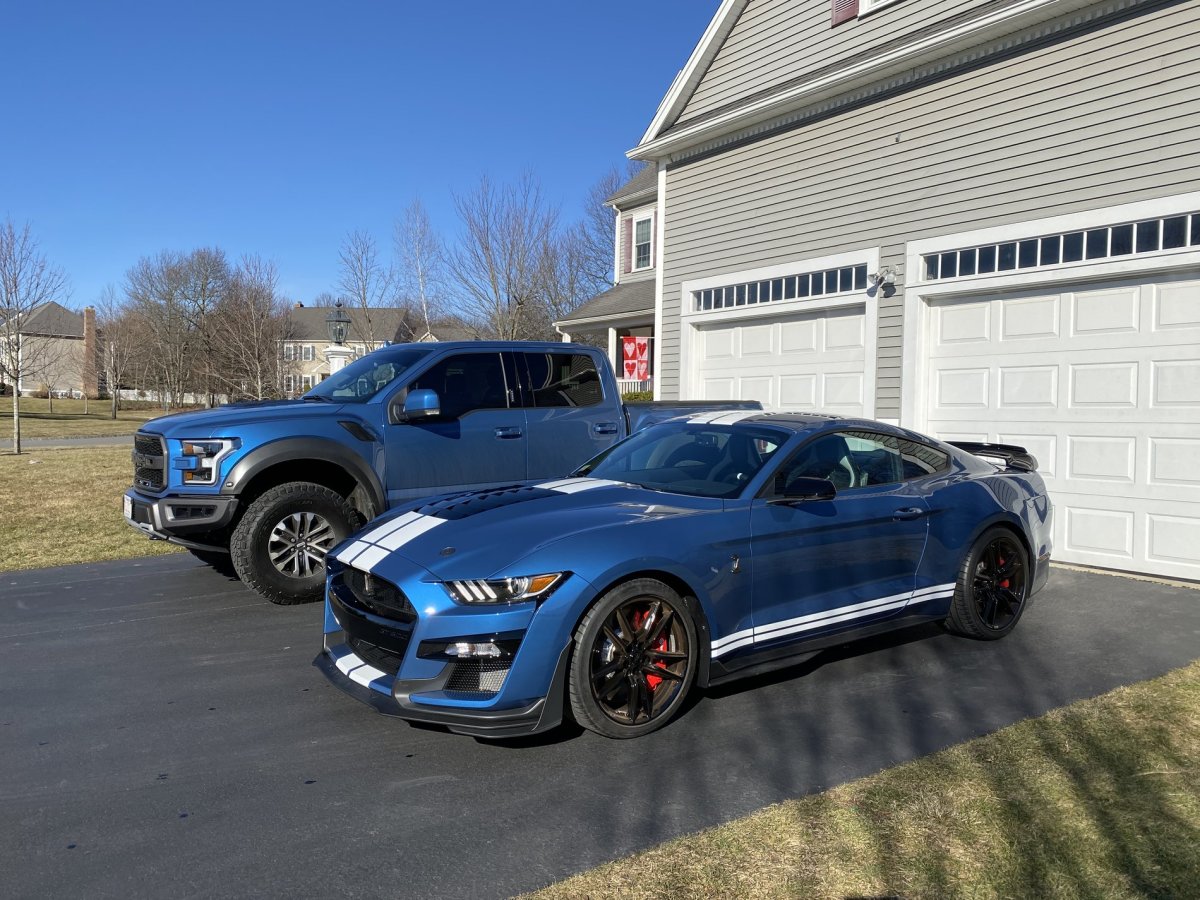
[
  {"x": 221, "y": 562},
  {"x": 310, "y": 519},
  {"x": 993, "y": 587},
  {"x": 636, "y": 630}
]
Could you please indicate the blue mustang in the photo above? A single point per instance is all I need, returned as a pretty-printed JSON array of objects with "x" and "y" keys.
[{"x": 693, "y": 552}]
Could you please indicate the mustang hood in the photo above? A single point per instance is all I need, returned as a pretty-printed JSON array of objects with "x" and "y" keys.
[
  {"x": 221, "y": 422},
  {"x": 477, "y": 534}
]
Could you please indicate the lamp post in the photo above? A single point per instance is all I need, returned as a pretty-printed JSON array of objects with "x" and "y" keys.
[{"x": 337, "y": 323}]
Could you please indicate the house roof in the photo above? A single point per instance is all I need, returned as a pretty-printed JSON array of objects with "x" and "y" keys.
[
  {"x": 55, "y": 320},
  {"x": 625, "y": 299},
  {"x": 641, "y": 186},
  {"x": 386, "y": 324}
]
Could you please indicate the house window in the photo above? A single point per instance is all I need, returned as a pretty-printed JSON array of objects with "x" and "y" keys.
[
  {"x": 1039, "y": 251},
  {"x": 306, "y": 382},
  {"x": 642, "y": 229},
  {"x": 842, "y": 280},
  {"x": 289, "y": 352},
  {"x": 289, "y": 383},
  {"x": 307, "y": 353}
]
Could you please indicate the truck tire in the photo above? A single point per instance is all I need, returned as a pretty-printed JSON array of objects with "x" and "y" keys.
[{"x": 278, "y": 548}]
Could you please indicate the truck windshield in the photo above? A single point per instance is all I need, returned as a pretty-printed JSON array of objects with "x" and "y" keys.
[{"x": 366, "y": 377}]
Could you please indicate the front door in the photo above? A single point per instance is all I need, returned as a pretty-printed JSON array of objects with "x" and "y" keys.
[
  {"x": 563, "y": 396},
  {"x": 824, "y": 565},
  {"x": 479, "y": 440}
]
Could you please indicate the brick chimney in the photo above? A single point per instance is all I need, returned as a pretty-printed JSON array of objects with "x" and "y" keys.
[{"x": 91, "y": 352}]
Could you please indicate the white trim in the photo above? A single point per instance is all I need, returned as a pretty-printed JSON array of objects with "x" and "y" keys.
[
  {"x": 905, "y": 61},
  {"x": 661, "y": 236},
  {"x": 690, "y": 320},
  {"x": 866, "y": 7},
  {"x": 617, "y": 247},
  {"x": 693, "y": 70},
  {"x": 919, "y": 296},
  {"x": 635, "y": 220}
]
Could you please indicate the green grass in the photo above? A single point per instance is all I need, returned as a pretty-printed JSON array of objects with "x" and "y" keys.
[
  {"x": 1098, "y": 799},
  {"x": 68, "y": 419},
  {"x": 64, "y": 506}
]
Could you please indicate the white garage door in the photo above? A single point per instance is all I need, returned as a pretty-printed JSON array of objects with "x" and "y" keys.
[
  {"x": 814, "y": 361},
  {"x": 1102, "y": 383}
]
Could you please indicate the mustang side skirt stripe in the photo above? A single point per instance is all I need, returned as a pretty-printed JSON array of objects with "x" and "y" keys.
[{"x": 786, "y": 627}]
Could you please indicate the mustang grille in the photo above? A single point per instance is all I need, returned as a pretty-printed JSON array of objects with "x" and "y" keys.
[
  {"x": 383, "y": 660},
  {"x": 478, "y": 677}
]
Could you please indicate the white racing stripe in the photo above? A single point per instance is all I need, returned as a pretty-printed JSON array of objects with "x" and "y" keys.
[
  {"x": 357, "y": 670},
  {"x": 373, "y": 547},
  {"x": 575, "y": 485},
  {"x": 724, "y": 418},
  {"x": 786, "y": 627}
]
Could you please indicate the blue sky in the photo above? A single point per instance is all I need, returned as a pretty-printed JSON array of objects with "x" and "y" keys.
[{"x": 276, "y": 128}]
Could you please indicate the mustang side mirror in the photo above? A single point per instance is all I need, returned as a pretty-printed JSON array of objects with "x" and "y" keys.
[
  {"x": 800, "y": 490},
  {"x": 419, "y": 404}
]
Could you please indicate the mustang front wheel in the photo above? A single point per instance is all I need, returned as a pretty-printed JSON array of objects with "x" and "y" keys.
[
  {"x": 993, "y": 585},
  {"x": 634, "y": 661}
]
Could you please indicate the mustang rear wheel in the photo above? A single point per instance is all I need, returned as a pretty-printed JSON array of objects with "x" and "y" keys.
[
  {"x": 634, "y": 660},
  {"x": 993, "y": 585}
]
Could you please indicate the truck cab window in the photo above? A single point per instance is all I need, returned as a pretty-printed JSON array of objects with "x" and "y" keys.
[{"x": 465, "y": 383}]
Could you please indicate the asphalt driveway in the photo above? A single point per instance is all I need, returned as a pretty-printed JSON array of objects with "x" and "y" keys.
[{"x": 163, "y": 734}]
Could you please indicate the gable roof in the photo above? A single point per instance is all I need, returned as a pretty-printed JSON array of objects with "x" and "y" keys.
[
  {"x": 642, "y": 186},
  {"x": 386, "y": 324},
  {"x": 625, "y": 299},
  {"x": 54, "y": 320}
]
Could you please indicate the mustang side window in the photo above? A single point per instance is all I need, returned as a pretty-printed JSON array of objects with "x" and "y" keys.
[
  {"x": 466, "y": 383},
  {"x": 919, "y": 460}
]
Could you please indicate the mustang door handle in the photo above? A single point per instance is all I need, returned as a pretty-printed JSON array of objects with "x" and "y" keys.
[
  {"x": 605, "y": 428},
  {"x": 909, "y": 512},
  {"x": 508, "y": 433}
]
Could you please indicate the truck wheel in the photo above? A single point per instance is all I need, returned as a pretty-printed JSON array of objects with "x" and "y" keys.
[
  {"x": 278, "y": 548},
  {"x": 222, "y": 562}
]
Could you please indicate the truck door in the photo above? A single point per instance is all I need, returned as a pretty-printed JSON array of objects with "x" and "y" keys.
[
  {"x": 569, "y": 418},
  {"x": 479, "y": 440}
]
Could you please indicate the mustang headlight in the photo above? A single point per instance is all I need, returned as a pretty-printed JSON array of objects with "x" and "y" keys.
[
  {"x": 503, "y": 590},
  {"x": 200, "y": 461}
]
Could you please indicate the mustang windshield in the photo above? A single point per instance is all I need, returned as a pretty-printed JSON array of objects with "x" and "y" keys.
[
  {"x": 700, "y": 460},
  {"x": 366, "y": 377}
]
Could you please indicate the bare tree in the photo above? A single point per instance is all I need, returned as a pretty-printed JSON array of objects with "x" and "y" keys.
[
  {"x": 367, "y": 285},
  {"x": 27, "y": 281},
  {"x": 422, "y": 264},
  {"x": 205, "y": 279},
  {"x": 251, "y": 327},
  {"x": 155, "y": 288},
  {"x": 596, "y": 230},
  {"x": 121, "y": 344},
  {"x": 498, "y": 262}
]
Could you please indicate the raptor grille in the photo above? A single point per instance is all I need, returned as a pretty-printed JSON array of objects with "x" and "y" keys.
[{"x": 149, "y": 462}]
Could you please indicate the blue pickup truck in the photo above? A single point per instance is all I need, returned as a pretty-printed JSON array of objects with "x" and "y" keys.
[{"x": 264, "y": 489}]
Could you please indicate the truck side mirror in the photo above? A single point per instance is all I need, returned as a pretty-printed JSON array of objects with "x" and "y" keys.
[{"x": 420, "y": 404}]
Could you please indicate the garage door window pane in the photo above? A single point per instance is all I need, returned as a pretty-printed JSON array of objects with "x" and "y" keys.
[
  {"x": 1122, "y": 240},
  {"x": 966, "y": 262},
  {"x": 1174, "y": 232},
  {"x": 987, "y": 260},
  {"x": 1028, "y": 254},
  {"x": 1051, "y": 250},
  {"x": 949, "y": 265},
  {"x": 860, "y": 278},
  {"x": 789, "y": 289},
  {"x": 1008, "y": 257},
  {"x": 1073, "y": 247},
  {"x": 1097, "y": 243},
  {"x": 1147, "y": 236},
  {"x": 1195, "y": 236}
]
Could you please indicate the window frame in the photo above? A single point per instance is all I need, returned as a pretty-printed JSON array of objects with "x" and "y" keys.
[
  {"x": 649, "y": 243},
  {"x": 768, "y": 492},
  {"x": 397, "y": 397},
  {"x": 528, "y": 399}
]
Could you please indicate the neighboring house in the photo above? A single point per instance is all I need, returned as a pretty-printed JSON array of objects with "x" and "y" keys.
[
  {"x": 308, "y": 337},
  {"x": 56, "y": 342},
  {"x": 977, "y": 219},
  {"x": 627, "y": 308}
]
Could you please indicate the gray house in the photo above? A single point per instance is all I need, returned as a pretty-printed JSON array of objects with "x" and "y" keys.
[{"x": 977, "y": 219}]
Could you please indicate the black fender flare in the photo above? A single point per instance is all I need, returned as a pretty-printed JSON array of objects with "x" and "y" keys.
[{"x": 285, "y": 450}]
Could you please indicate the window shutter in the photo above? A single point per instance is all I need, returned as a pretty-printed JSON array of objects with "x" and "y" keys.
[
  {"x": 843, "y": 10},
  {"x": 627, "y": 265}
]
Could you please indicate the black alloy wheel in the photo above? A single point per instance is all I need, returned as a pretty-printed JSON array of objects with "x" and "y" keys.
[
  {"x": 993, "y": 586},
  {"x": 634, "y": 661}
]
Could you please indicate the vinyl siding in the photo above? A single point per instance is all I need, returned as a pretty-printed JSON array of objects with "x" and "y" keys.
[
  {"x": 761, "y": 50},
  {"x": 1108, "y": 116}
]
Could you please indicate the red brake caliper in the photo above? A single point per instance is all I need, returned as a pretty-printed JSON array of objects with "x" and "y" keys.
[
  {"x": 1000, "y": 563},
  {"x": 639, "y": 619}
]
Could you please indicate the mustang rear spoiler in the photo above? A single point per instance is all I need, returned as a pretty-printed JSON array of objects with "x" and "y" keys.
[{"x": 1012, "y": 456}]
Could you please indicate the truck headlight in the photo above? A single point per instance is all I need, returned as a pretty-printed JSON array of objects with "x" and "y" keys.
[
  {"x": 200, "y": 461},
  {"x": 503, "y": 590}
]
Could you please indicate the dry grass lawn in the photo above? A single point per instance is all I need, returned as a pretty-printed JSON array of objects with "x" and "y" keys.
[
  {"x": 68, "y": 419},
  {"x": 64, "y": 506},
  {"x": 1099, "y": 799}
]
